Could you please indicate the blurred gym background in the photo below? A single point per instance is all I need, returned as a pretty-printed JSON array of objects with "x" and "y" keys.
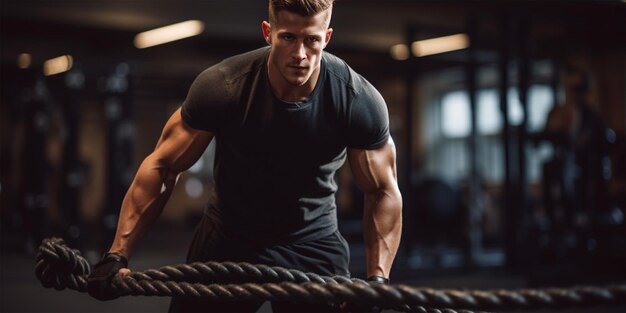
[{"x": 509, "y": 119}]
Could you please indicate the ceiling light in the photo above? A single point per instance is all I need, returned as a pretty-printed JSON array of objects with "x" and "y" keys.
[
  {"x": 58, "y": 65},
  {"x": 168, "y": 33},
  {"x": 439, "y": 45}
]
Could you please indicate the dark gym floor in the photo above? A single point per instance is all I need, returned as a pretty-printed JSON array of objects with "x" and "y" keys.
[{"x": 21, "y": 292}]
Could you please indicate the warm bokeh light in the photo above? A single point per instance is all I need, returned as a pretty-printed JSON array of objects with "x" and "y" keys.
[
  {"x": 399, "y": 52},
  {"x": 24, "y": 60},
  {"x": 168, "y": 34},
  {"x": 58, "y": 65},
  {"x": 439, "y": 45}
]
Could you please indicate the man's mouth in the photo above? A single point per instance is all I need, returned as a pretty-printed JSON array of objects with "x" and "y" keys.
[{"x": 298, "y": 67}]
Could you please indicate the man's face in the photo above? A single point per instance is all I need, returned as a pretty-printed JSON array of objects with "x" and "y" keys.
[{"x": 297, "y": 43}]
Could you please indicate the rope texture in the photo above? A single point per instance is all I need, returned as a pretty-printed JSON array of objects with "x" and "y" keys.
[{"x": 60, "y": 267}]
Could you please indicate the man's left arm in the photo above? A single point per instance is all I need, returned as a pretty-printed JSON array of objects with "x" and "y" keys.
[{"x": 375, "y": 173}]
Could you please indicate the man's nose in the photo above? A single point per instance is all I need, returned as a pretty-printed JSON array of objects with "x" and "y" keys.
[{"x": 299, "y": 52}]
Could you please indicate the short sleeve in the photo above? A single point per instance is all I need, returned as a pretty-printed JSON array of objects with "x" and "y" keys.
[
  {"x": 207, "y": 106},
  {"x": 368, "y": 123}
]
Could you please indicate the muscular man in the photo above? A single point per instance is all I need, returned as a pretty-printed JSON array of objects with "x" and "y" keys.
[{"x": 285, "y": 118}]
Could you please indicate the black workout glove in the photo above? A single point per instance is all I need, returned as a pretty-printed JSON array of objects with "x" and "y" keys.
[
  {"x": 377, "y": 280},
  {"x": 99, "y": 281}
]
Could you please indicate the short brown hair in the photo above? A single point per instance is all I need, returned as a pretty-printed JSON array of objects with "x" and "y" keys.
[{"x": 301, "y": 7}]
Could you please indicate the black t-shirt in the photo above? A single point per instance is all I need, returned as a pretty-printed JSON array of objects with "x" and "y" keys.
[{"x": 275, "y": 161}]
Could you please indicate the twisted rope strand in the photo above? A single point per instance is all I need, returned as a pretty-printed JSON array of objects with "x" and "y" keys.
[
  {"x": 60, "y": 267},
  {"x": 212, "y": 272}
]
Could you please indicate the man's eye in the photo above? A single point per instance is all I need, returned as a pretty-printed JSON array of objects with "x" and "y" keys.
[
  {"x": 312, "y": 39},
  {"x": 288, "y": 37}
]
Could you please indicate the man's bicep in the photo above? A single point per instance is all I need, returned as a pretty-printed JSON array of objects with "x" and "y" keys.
[
  {"x": 180, "y": 145},
  {"x": 375, "y": 169}
]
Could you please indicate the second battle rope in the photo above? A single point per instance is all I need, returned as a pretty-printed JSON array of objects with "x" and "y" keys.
[{"x": 60, "y": 267}]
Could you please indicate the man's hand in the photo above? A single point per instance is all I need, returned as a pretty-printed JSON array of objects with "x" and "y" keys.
[
  {"x": 377, "y": 280},
  {"x": 99, "y": 281}
]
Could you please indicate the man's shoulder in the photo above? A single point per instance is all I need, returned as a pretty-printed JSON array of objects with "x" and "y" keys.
[
  {"x": 337, "y": 67},
  {"x": 237, "y": 66},
  {"x": 339, "y": 71}
]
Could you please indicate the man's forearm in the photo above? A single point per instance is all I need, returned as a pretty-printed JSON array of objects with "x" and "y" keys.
[
  {"x": 382, "y": 225},
  {"x": 142, "y": 205}
]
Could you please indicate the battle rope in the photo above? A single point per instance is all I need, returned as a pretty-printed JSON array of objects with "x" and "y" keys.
[{"x": 60, "y": 267}]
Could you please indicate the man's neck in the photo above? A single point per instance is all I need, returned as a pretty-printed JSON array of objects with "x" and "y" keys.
[{"x": 288, "y": 92}]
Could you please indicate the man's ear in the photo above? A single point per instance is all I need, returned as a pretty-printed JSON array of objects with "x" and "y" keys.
[
  {"x": 329, "y": 33},
  {"x": 267, "y": 32}
]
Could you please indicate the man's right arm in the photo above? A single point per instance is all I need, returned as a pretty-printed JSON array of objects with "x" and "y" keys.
[{"x": 178, "y": 148}]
